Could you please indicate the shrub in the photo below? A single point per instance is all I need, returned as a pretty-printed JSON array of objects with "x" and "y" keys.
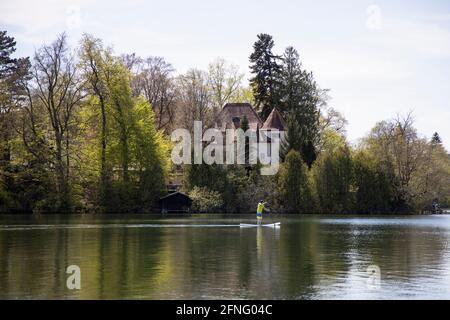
[{"x": 205, "y": 200}]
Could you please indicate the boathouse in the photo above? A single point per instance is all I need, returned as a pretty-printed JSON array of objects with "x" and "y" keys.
[{"x": 176, "y": 202}]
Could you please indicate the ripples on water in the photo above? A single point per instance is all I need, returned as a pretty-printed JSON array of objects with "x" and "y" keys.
[{"x": 210, "y": 257}]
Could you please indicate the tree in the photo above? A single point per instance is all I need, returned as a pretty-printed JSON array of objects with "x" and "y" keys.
[
  {"x": 94, "y": 62},
  {"x": 136, "y": 152},
  {"x": 402, "y": 154},
  {"x": 436, "y": 139},
  {"x": 23, "y": 182},
  {"x": 292, "y": 81},
  {"x": 154, "y": 79},
  {"x": 236, "y": 182},
  {"x": 332, "y": 175},
  {"x": 121, "y": 111},
  {"x": 266, "y": 69},
  {"x": 7, "y": 48},
  {"x": 431, "y": 181},
  {"x": 205, "y": 200},
  {"x": 330, "y": 120},
  {"x": 224, "y": 81},
  {"x": 373, "y": 188},
  {"x": 137, "y": 149},
  {"x": 13, "y": 74},
  {"x": 150, "y": 155},
  {"x": 203, "y": 175},
  {"x": 259, "y": 187},
  {"x": 195, "y": 99},
  {"x": 294, "y": 184},
  {"x": 57, "y": 90},
  {"x": 300, "y": 106},
  {"x": 245, "y": 95}
]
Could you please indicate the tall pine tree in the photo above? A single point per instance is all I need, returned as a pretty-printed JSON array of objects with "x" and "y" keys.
[
  {"x": 300, "y": 107},
  {"x": 13, "y": 73},
  {"x": 266, "y": 68},
  {"x": 436, "y": 139}
]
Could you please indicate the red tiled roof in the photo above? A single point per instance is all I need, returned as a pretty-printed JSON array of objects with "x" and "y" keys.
[
  {"x": 274, "y": 121},
  {"x": 237, "y": 111}
]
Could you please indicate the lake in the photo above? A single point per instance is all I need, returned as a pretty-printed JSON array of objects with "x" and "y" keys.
[{"x": 211, "y": 257}]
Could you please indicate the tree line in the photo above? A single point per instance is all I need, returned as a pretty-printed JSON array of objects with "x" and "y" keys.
[
  {"x": 85, "y": 130},
  {"x": 392, "y": 170}
]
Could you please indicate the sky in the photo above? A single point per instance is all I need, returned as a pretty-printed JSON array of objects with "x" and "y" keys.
[{"x": 378, "y": 58}]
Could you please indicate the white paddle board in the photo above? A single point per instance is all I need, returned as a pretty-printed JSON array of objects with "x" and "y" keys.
[{"x": 270, "y": 225}]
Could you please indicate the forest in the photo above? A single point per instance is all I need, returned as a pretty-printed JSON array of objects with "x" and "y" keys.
[{"x": 84, "y": 130}]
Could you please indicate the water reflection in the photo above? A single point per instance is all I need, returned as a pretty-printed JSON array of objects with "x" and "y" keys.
[{"x": 307, "y": 258}]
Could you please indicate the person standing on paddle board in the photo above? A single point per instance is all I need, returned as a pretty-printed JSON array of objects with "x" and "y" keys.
[{"x": 259, "y": 211}]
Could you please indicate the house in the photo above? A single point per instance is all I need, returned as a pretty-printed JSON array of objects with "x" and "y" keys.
[
  {"x": 232, "y": 115},
  {"x": 176, "y": 202}
]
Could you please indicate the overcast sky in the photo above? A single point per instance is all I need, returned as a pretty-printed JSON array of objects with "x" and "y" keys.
[{"x": 379, "y": 58}]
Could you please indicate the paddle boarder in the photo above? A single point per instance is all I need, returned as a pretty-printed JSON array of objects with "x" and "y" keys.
[{"x": 259, "y": 211}]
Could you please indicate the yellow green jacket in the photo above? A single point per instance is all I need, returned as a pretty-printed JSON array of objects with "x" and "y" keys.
[{"x": 260, "y": 208}]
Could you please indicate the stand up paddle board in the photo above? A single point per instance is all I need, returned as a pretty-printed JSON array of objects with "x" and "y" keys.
[{"x": 270, "y": 225}]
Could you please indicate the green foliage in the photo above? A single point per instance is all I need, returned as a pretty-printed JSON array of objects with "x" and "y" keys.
[
  {"x": 332, "y": 174},
  {"x": 373, "y": 188},
  {"x": 266, "y": 70},
  {"x": 300, "y": 107},
  {"x": 332, "y": 140},
  {"x": 433, "y": 179},
  {"x": 23, "y": 182},
  {"x": 137, "y": 153},
  {"x": 126, "y": 157},
  {"x": 293, "y": 91},
  {"x": 245, "y": 95},
  {"x": 5, "y": 199},
  {"x": 405, "y": 159},
  {"x": 205, "y": 200},
  {"x": 295, "y": 140},
  {"x": 26, "y": 189},
  {"x": 150, "y": 152},
  {"x": 49, "y": 122},
  {"x": 260, "y": 187},
  {"x": 202, "y": 175},
  {"x": 224, "y": 82},
  {"x": 294, "y": 184},
  {"x": 436, "y": 139},
  {"x": 236, "y": 182},
  {"x": 80, "y": 137}
]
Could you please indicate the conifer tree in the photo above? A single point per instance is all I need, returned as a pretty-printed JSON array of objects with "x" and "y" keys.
[
  {"x": 436, "y": 139},
  {"x": 300, "y": 107},
  {"x": 266, "y": 70},
  {"x": 294, "y": 184}
]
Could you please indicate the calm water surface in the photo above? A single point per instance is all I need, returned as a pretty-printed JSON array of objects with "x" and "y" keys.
[{"x": 210, "y": 257}]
